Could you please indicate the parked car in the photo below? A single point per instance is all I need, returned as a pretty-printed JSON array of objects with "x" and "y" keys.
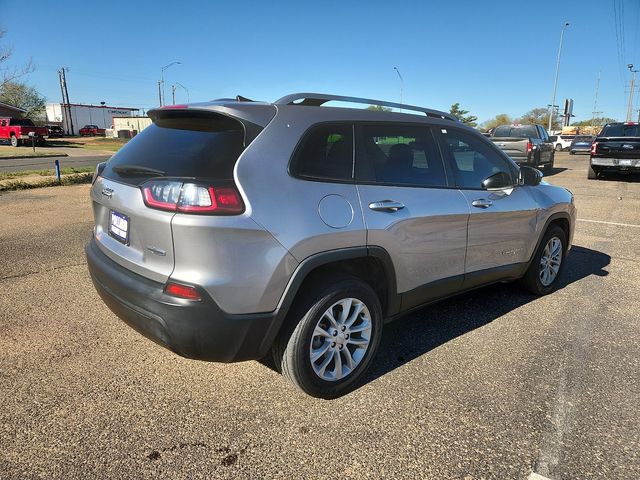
[
  {"x": 561, "y": 142},
  {"x": 526, "y": 144},
  {"x": 55, "y": 131},
  {"x": 229, "y": 230},
  {"x": 91, "y": 131},
  {"x": 20, "y": 131},
  {"x": 581, "y": 144},
  {"x": 615, "y": 149}
]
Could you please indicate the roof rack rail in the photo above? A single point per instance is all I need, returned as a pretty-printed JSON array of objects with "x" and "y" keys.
[{"x": 318, "y": 99}]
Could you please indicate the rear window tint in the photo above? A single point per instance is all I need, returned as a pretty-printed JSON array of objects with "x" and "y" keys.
[
  {"x": 621, "y": 130},
  {"x": 518, "y": 132},
  {"x": 182, "y": 145},
  {"x": 326, "y": 152}
]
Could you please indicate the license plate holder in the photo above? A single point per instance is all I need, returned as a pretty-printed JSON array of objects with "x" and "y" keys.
[
  {"x": 119, "y": 227},
  {"x": 624, "y": 163}
]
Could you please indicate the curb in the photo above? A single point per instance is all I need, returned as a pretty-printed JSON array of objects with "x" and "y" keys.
[{"x": 46, "y": 155}]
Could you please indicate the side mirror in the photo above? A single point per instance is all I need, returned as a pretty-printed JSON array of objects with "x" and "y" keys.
[
  {"x": 497, "y": 181},
  {"x": 529, "y": 176}
]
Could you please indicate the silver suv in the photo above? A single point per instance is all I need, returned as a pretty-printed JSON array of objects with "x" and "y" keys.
[{"x": 233, "y": 229}]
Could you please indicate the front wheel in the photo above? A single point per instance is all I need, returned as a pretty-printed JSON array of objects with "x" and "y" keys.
[
  {"x": 14, "y": 141},
  {"x": 336, "y": 332},
  {"x": 547, "y": 263}
]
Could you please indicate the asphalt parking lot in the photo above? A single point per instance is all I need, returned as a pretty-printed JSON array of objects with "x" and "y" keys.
[{"x": 494, "y": 384}]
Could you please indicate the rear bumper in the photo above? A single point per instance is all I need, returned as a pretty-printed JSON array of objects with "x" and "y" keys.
[
  {"x": 193, "y": 329},
  {"x": 618, "y": 164}
]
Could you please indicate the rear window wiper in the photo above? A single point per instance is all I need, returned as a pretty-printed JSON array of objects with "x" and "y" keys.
[{"x": 136, "y": 170}]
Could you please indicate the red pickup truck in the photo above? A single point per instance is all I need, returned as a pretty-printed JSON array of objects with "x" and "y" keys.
[
  {"x": 91, "y": 130},
  {"x": 20, "y": 130}
]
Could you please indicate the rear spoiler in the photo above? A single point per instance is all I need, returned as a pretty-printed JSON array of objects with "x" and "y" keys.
[{"x": 251, "y": 120}]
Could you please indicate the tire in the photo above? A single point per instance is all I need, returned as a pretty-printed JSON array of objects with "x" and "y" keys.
[
  {"x": 14, "y": 141},
  {"x": 542, "y": 275},
  {"x": 558, "y": 147},
  {"x": 292, "y": 350},
  {"x": 592, "y": 173},
  {"x": 571, "y": 152},
  {"x": 548, "y": 168}
]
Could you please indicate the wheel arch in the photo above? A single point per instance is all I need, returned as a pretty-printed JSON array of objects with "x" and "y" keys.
[
  {"x": 372, "y": 265},
  {"x": 562, "y": 219}
]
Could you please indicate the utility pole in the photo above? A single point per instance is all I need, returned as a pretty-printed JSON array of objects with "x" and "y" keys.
[
  {"x": 555, "y": 82},
  {"x": 64, "y": 83},
  {"x": 173, "y": 94},
  {"x": 63, "y": 104},
  {"x": 159, "y": 93},
  {"x": 631, "y": 91},
  {"x": 595, "y": 103}
]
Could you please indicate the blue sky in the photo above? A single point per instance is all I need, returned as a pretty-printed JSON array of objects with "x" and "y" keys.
[{"x": 491, "y": 56}]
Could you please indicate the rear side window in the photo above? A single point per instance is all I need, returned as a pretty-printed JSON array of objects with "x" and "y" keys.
[
  {"x": 621, "y": 130},
  {"x": 326, "y": 152},
  {"x": 399, "y": 155},
  {"x": 180, "y": 144}
]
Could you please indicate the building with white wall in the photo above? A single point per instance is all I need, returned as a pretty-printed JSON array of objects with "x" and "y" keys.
[{"x": 81, "y": 115}]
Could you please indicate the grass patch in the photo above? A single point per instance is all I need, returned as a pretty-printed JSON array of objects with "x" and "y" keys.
[
  {"x": 90, "y": 143},
  {"x": 24, "y": 152},
  {"x": 49, "y": 182},
  {"x": 46, "y": 173}
]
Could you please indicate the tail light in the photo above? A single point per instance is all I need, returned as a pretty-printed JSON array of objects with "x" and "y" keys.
[
  {"x": 187, "y": 197},
  {"x": 529, "y": 147},
  {"x": 182, "y": 291},
  {"x": 98, "y": 171},
  {"x": 594, "y": 148}
]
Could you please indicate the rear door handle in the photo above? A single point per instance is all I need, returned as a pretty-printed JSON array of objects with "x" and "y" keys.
[
  {"x": 482, "y": 203},
  {"x": 386, "y": 206}
]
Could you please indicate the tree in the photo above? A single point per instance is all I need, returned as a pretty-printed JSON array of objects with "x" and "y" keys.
[
  {"x": 10, "y": 73},
  {"x": 378, "y": 108},
  {"x": 461, "y": 115},
  {"x": 593, "y": 121},
  {"x": 539, "y": 116},
  {"x": 500, "y": 119},
  {"x": 25, "y": 97}
]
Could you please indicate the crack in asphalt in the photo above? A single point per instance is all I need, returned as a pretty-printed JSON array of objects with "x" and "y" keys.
[{"x": 20, "y": 275}]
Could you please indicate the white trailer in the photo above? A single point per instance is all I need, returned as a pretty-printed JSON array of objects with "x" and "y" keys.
[{"x": 81, "y": 115}]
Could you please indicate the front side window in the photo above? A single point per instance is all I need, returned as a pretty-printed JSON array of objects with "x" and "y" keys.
[
  {"x": 399, "y": 155},
  {"x": 472, "y": 160},
  {"x": 326, "y": 153}
]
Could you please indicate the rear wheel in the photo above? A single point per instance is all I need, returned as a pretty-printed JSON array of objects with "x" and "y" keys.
[
  {"x": 547, "y": 263},
  {"x": 592, "y": 173},
  {"x": 332, "y": 336},
  {"x": 548, "y": 168},
  {"x": 558, "y": 147}
]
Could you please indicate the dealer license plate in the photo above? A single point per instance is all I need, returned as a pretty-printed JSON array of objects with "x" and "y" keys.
[
  {"x": 625, "y": 163},
  {"x": 119, "y": 227}
]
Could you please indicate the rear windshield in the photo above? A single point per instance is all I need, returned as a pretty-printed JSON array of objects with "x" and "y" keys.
[
  {"x": 22, "y": 122},
  {"x": 191, "y": 145},
  {"x": 621, "y": 130},
  {"x": 524, "y": 131},
  {"x": 583, "y": 139}
]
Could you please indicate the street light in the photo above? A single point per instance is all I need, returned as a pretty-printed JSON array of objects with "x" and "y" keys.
[
  {"x": 162, "y": 79},
  {"x": 173, "y": 91},
  {"x": 555, "y": 82},
  {"x": 401, "y": 85},
  {"x": 633, "y": 84}
]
